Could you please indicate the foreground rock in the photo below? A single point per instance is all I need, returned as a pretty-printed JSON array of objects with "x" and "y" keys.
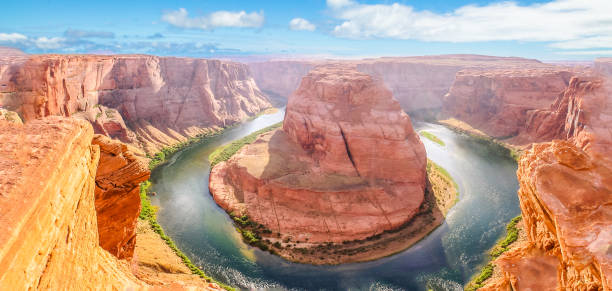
[
  {"x": 147, "y": 101},
  {"x": 117, "y": 197},
  {"x": 49, "y": 237},
  {"x": 58, "y": 215},
  {"x": 566, "y": 195},
  {"x": 346, "y": 165}
]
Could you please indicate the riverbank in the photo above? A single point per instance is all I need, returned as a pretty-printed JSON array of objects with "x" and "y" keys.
[
  {"x": 148, "y": 211},
  {"x": 440, "y": 196},
  {"x": 497, "y": 146},
  {"x": 513, "y": 237}
]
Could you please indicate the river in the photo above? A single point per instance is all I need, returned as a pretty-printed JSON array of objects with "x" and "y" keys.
[{"x": 444, "y": 260}]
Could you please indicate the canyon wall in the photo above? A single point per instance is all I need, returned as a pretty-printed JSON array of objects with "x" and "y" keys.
[
  {"x": 566, "y": 195},
  {"x": 503, "y": 103},
  {"x": 418, "y": 83},
  {"x": 144, "y": 100},
  {"x": 346, "y": 165},
  {"x": 50, "y": 237}
]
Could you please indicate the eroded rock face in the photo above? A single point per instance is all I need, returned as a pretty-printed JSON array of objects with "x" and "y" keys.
[
  {"x": 566, "y": 191},
  {"x": 117, "y": 198},
  {"x": 144, "y": 100},
  {"x": 502, "y": 102},
  {"x": 49, "y": 237},
  {"x": 346, "y": 165}
]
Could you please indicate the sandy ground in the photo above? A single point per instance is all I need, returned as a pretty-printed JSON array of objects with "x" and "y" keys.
[{"x": 156, "y": 264}]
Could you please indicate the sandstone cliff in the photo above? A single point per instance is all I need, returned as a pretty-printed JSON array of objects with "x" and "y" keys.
[
  {"x": 117, "y": 198},
  {"x": 566, "y": 195},
  {"x": 502, "y": 102},
  {"x": 346, "y": 165},
  {"x": 64, "y": 199},
  {"x": 148, "y": 101},
  {"x": 50, "y": 238}
]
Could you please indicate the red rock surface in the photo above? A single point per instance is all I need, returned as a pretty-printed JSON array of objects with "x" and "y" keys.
[
  {"x": 346, "y": 165},
  {"x": 162, "y": 100},
  {"x": 500, "y": 102},
  {"x": 117, "y": 198},
  {"x": 49, "y": 237},
  {"x": 50, "y": 197},
  {"x": 566, "y": 188}
]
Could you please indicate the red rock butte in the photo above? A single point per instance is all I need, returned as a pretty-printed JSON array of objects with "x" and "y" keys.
[{"x": 346, "y": 164}]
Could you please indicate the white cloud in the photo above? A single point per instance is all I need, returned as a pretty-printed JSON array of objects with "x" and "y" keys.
[
  {"x": 566, "y": 23},
  {"x": 180, "y": 18},
  {"x": 12, "y": 37},
  {"x": 49, "y": 43},
  {"x": 301, "y": 24},
  {"x": 339, "y": 3}
]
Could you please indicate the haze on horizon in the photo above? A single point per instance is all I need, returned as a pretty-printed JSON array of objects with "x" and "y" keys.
[{"x": 546, "y": 30}]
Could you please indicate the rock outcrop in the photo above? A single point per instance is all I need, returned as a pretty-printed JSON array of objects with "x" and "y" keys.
[
  {"x": 49, "y": 238},
  {"x": 144, "y": 100},
  {"x": 346, "y": 165},
  {"x": 566, "y": 193},
  {"x": 65, "y": 199},
  {"x": 117, "y": 197}
]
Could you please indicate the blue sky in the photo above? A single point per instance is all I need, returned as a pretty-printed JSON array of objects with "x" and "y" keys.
[{"x": 548, "y": 30}]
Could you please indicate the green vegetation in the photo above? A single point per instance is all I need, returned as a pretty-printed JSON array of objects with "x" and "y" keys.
[
  {"x": 501, "y": 247},
  {"x": 494, "y": 146},
  {"x": 442, "y": 171},
  {"x": 511, "y": 236},
  {"x": 485, "y": 273},
  {"x": 432, "y": 137},
  {"x": 98, "y": 115},
  {"x": 109, "y": 113},
  {"x": 147, "y": 213},
  {"x": 227, "y": 151}
]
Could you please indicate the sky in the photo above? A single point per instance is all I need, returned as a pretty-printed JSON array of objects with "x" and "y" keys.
[{"x": 546, "y": 30}]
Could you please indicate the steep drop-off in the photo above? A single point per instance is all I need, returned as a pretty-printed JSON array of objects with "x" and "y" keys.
[
  {"x": 502, "y": 102},
  {"x": 346, "y": 165},
  {"x": 49, "y": 238},
  {"x": 566, "y": 196},
  {"x": 68, "y": 213},
  {"x": 148, "y": 101},
  {"x": 117, "y": 199}
]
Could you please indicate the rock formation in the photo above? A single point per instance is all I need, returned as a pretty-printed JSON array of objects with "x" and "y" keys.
[
  {"x": 501, "y": 102},
  {"x": 117, "y": 197},
  {"x": 566, "y": 194},
  {"x": 64, "y": 199},
  {"x": 49, "y": 237},
  {"x": 346, "y": 165},
  {"x": 148, "y": 101},
  {"x": 418, "y": 83}
]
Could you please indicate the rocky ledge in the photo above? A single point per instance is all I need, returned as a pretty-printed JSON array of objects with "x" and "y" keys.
[{"x": 346, "y": 165}]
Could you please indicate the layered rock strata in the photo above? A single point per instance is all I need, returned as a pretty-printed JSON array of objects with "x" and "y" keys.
[
  {"x": 346, "y": 165},
  {"x": 502, "y": 103},
  {"x": 64, "y": 199},
  {"x": 144, "y": 100},
  {"x": 117, "y": 198},
  {"x": 566, "y": 194},
  {"x": 50, "y": 238}
]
